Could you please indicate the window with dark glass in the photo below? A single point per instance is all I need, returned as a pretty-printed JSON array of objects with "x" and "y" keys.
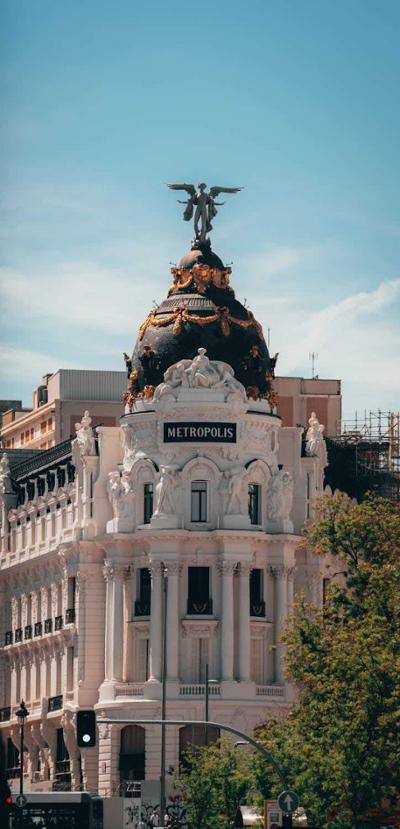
[
  {"x": 257, "y": 604},
  {"x": 254, "y": 503},
  {"x": 199, "y": 501},
  {"x": 148, "y": 502},
  {"x": 143, "y": 601},
  {"x": 199, "y": 601}
]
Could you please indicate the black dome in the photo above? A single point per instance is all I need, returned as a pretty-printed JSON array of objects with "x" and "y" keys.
[{"x": 201, "y": 311}]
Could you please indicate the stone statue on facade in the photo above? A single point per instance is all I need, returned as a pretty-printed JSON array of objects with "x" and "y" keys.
[
  {"x": 5, "y": 475},
  {"x": 121, "y": 494},
  {"x": 205, "y": 204},
  {"x": 166, "y": 491},
  {"x": 280, "y": 495},
  {"x": 314, "y": 436},
  {"x": 85, "y": 436},
  {"x": 235, "y": 491},
  {"x": 201, "y": 373}
]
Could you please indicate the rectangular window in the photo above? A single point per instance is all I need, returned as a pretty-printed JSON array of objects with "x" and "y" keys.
[
  {"x": 257, "y": 604},
  {"x": 143, "y": 601},
  {"x": 148, "y": 503},
  {"x": 199, "y": 601},
  {"x": 43, "y": 427},
  {"x": 199, "y": 501},
  {"x": 254, "y": 503}
]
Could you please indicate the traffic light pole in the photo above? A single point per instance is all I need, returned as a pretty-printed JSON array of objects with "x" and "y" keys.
[{"x": 163, "y": 722}]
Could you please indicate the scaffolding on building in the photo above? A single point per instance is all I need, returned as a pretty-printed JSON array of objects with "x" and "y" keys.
[{"x": 366, "y": 455}]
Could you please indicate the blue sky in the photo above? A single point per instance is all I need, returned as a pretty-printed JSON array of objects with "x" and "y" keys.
[{"x": 298, "y": 102}]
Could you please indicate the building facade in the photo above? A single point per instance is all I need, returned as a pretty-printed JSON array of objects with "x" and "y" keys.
[
  {"x": 58, "y": 404},
  {"x": 196, "y": 500}
]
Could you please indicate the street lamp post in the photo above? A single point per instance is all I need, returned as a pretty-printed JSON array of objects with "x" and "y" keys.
[
  {"x": 163, "y": 696},
  {"x": 207, "y": 700},
  {"x": 21, "y": 715}
]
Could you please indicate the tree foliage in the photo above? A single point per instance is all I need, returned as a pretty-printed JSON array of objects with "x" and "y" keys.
[
  {"x": 340, "y": 745},
  {"x": 214, "y": 784}
]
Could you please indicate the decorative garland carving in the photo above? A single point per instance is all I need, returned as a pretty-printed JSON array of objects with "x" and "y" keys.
[
  {"x": 182, "y": 315},
  {"x": 200, "y": 277}
]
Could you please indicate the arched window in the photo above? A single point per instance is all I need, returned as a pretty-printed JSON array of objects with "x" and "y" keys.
[
  {"x": 132, "y": 753},
  {"x": 195, "y": 735}
]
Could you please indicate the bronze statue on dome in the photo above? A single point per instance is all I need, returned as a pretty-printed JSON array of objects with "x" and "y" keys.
[{"x": 205, "y": 204}]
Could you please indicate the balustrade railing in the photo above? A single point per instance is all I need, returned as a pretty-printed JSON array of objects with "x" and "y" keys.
[
  {"x": 48, "y": 625},
  {"x": 257, "y": 609},
  {"x": 198, "y": 689},
  {"x": 11, "y": 774},
  {"x": 28, "y": 632},
  {"x": 55, "y": 703},
  {"x": 5, "y": 713},
  {"x": 70, "y": 615},
  {"x": 18, "y": 635},
  {"x": 196, "y": 608},
  {"x": 270, "y": 691},
  {"x": 38, "y": 628},
  {"x": 129, "y": 689},
  {"x": 8, "y": 639},
  {"x": 142, "y": 608},
  {"x": 58, "y": 623}
]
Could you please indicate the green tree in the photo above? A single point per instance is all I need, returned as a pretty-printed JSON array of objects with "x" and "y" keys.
[
  {"x": 340, "y": 745},
  {"x": 214, "y": 784}
]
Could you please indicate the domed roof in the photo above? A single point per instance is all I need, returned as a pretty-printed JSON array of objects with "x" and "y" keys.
[{"x": 201, "y": 311}]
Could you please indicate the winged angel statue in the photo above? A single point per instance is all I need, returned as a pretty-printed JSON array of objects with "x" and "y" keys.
[{"x": 206, "y": 206}]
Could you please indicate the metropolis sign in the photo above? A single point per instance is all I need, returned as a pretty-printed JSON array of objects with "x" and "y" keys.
[{"x": 187, "y": 432}]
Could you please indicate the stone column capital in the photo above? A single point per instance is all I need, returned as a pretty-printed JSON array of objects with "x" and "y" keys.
[
  {"x": 113, "y": 570},
  {"x": 173, "y": 568},
  {"x": 282, "y": 571},
  {"x": 245, "y": 568},
  {"x": 226, "y": 568}
]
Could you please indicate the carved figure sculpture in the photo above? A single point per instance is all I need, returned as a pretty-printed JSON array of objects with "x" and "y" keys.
[
  {"x": 5, "y": 476},
  {"x": 85, "y": 436},
  {"x": 205, "y": 204},
  {"x": 280, "y": 495},
  {"x": 235, "y": 491},
  {"x": 121, "y": 494},
  {"x": 201, "y": 372},
  {"x": 314, "y": 436},
  {"x": 166, "y": 491}
]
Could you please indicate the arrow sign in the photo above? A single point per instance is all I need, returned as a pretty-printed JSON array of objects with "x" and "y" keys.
[
  {"x": 21, "y": 800},
  {"x": 288, "y": 802}
]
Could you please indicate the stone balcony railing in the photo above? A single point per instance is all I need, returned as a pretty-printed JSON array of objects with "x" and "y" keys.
[
  {"x": 129, "y": 689},
  {"x": 55, "y": 703},
  {"x": 270, "y": 691},
  {"x": 199, "y": 690}
]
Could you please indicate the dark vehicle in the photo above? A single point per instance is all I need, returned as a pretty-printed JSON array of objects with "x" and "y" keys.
[{"x": 58, "y": 810}]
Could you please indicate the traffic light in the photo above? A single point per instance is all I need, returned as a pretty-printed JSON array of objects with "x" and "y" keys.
[
  {"x": 5, "y": 802},
  {"x": 86, "y": 729}
]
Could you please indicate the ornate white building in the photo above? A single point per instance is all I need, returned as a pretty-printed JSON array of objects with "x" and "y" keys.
[{"x": 200, "y": 483}]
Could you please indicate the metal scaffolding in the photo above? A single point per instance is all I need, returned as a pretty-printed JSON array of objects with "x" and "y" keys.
[{"x": 369, "y": 447}]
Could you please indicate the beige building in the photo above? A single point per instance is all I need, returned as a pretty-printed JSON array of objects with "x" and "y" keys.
[
  {"x": 298, "y": 397},
  {"x": 184, "y": 516},
  {"x": 58, "y": 404}
]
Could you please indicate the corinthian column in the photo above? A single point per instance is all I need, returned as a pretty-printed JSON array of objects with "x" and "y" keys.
[
  {"x": 173, "y": 571},
  {"x": 156, "y": 569},
  {"x": 114, "y": 636},
  {"x": 283, "y": 577},
  {"x": 226, "y": 570},
  {"x": 244, "y": 621}
]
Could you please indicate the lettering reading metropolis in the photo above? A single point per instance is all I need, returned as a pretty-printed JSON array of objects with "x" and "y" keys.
[{"x": 200, "y": 432}]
